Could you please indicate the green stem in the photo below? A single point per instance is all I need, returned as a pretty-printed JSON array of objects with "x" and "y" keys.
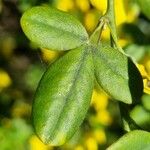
[
  {"x": 109, "y": 19},
  {"x": 110, "y": 15},
  {"x": 95, "y": 37}
]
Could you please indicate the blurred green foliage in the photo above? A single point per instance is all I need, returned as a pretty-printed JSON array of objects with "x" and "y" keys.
[
  {"x": 22, "y": 65},
  {"x": 14, "y": 134}
]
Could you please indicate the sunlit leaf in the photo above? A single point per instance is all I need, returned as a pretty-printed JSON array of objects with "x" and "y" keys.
[
  {"x": 63, "y": 97},
  {"x": 134, "y": 140},
  {"x": 53, "y": 29},
  {"x": 117, "y": 74}
]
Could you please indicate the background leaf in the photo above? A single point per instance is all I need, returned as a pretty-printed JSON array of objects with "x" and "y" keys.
[
  {"x": 141, "y": 116},
  {"x": 144, "y": 5},
  {"x": 12, "y": 135},
  {"x": 134, "y": 140},
  {"x": 145, "y": 102},
  {"x": 137, "y": 52},
  {"x": 117, "y": 74},
  {"x": 53, "y": 29},
  {"x": 63, "y": 97}
]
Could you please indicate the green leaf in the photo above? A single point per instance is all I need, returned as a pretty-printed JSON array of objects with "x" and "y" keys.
[
  {"x": 141, "y": 117},
  {"x": 137, "y": 35},
  {"x": 63, "y": 96},
  {"x": 144, "y": 5},
  {"x": 146, "y": 101},
  {"x": 53, "y": 29},
  {"x": 134, "y": 140},
  {"x": 128, "y": 122},
  {"x": 117, "y": 74},
  {"x": 137, "y": 52}
]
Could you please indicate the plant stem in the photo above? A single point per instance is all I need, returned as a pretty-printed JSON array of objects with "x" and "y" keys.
[
  {"x": 97, "y": 32},
  {"x": 110, "y": 15},
  {"x": 107, "y": 19}
]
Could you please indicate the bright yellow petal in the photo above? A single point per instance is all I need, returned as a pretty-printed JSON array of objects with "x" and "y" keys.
[
  {"x": 146, "y": 86},
  {"x": 100, "y": 136},
  {"x": 123, "y": 42},
  {"x": 49, "y": 55},
  {"x": 146, "y": 78},
  {"x": 143, "y": 71},
  {"x": 120, "y": 12},
  {"x": 91, "y": 144},
  {"x": 90, "y": 20},
  {"x": 100, "y": 5},
  {"x": 83, "y": 5},
  {"x": 104, "y": 117},
  {"x": 147, "y": 65},
  {"x": 65, "y": 5},
  {"x": 5, "y": 80},
  {"x": 99, "y": 100},
  {"x": 36, "y": 144}
]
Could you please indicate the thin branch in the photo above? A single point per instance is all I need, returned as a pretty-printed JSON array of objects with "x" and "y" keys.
[{"x": 110, "y": 15}]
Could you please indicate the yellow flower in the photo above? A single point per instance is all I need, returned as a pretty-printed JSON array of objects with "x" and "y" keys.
[
  {"x": 62, "y": 139},
  {"x": 79, "y": 147},
  {"x": 121, "y": 16},
  {"x": 49, "y": 55},
  {"x": 5, "y": 80},
  {"x": 91, "y": 144},
  {"x": 123, "y": 42},
  {"x": 83, "y": 5},
  {"x": 106, "y": 33},
  {"x": 146, "y": 78},
  {"x": 36, "y": 144},
  {"x": 125, "y": 11},
  {"x": 119, "y": 9},
  {"x": 100, "y": 136},
  {"x": 90, "y": 20},
  {"x": 146, "y": 83},
  {"x": 99, "y": 100},
  {"x": 147, "y": 65},
  {"x": 65, "y": 5},
  {"x": 104, "y": 117},
  {"x": 100, "y": 5}
]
